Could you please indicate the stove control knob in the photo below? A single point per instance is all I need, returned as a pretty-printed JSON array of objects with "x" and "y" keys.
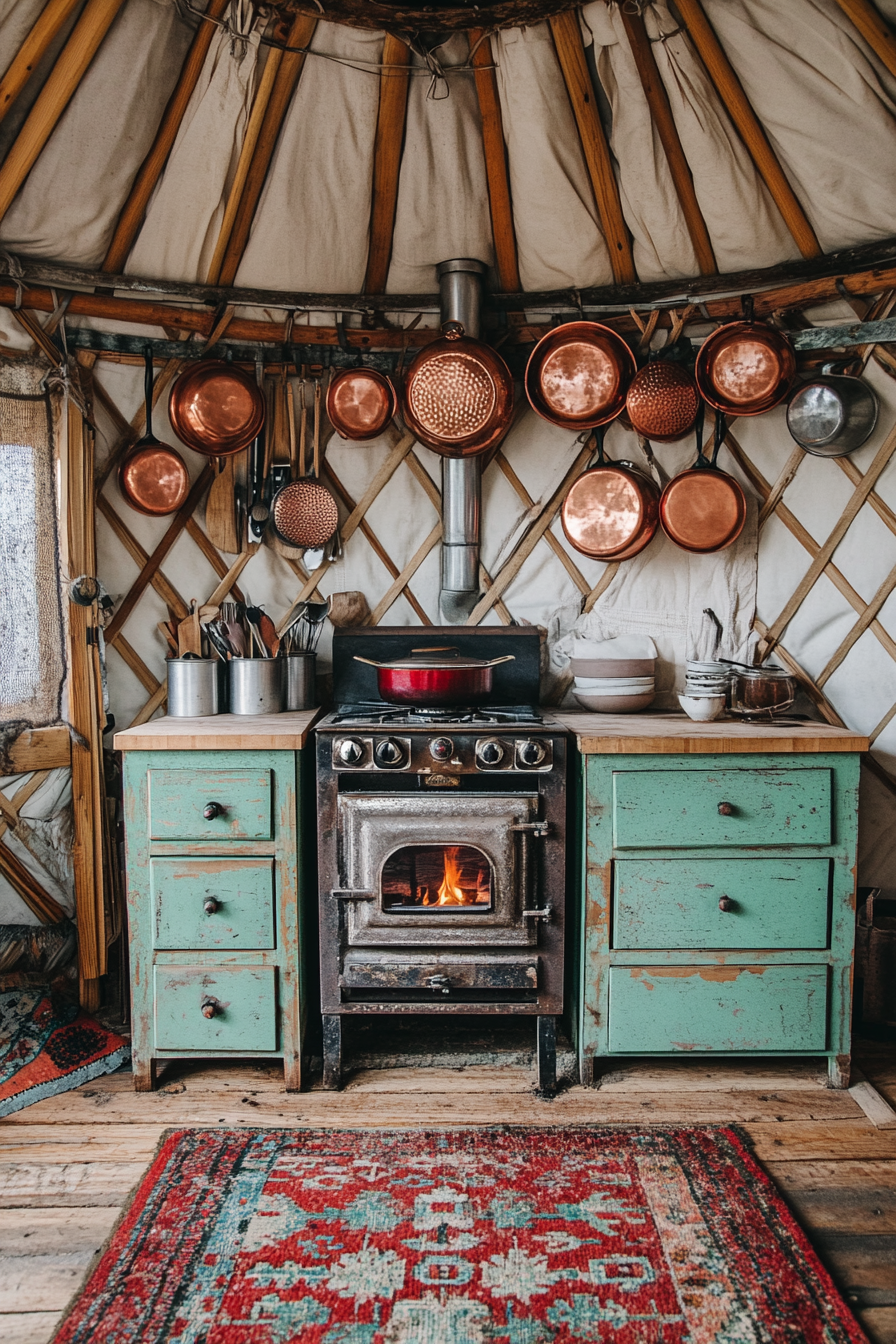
[
  {"x": 389, "y": 753},
  {"x": 530, "y": 753},
  {"x": 440, "y": 748},
  {"x": 489, "y": 752},
  {"x": 350, "y": 751}
]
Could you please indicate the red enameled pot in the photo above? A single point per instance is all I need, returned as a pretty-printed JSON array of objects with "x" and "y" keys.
[{"x": 427, "y": 679}]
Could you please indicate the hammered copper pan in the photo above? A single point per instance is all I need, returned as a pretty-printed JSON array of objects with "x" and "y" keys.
[
  {"x": 704, "y": 510},
  {"x": 663, "y": 401},
  {"x": 745, "y": 368},
  {"x": 578, "y": 375},
  {"x": 360, "y": 403},
  {"x": 458, "y": 395},
  {"x": 153, "y": 477},
  {"x": 612, "y": 510},
  {"x": 216, "y": 408}
]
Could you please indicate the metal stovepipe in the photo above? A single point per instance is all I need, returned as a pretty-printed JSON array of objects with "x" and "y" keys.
[{"x": 460, "y": 286}]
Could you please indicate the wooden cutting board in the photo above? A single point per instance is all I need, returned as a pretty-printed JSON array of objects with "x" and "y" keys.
[{"x": 220, "y": 509}]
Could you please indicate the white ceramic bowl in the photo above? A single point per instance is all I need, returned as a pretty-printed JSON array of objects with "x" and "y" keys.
[
  {"x": 612, "y": 667},
  {"x": 702, "y": 709},
  {"x": 614, "y": 704},
  {"x": 606, "y": 685}
]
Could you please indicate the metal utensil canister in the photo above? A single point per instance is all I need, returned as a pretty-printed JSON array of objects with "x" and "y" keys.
[
  {"x": 301, "y": 685},
  {"x": 256, "y": 685},
  {"x": 193, "y": 687}
]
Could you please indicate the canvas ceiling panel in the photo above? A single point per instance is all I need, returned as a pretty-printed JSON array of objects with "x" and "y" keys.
[
  {"x": 184, "y": 217},
  {"x": 661, "y": 243},
  {"x": 71, "y": 200},
  {"x": 442, "y": 208},
  {"x": 744, "y": 225},
  {"x": 824, "y": 106},
  {"x": 17, "y": 18},
  {"x": 558, "y": 237},
  {"x": 310, "y": 229}
]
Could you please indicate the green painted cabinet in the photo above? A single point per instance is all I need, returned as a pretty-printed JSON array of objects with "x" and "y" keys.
[
  {"x": 718, "y": 896},
  {"x": 215, "y": 864}
]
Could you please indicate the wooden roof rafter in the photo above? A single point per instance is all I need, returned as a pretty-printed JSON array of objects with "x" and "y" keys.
[
  {"x": 391, "y": 116},
  {"x": 48, "y": 25},
  {"x": 874, "y": 28},
  {"x": 499, "y": 199}
]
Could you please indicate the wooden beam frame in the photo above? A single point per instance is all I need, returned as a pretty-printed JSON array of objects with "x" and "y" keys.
[
  {"x": 285, "y": 83},
  {"x": 395, "y": 79},
  {"x": 50, "y": 22},
  {"x": 78, "y": 52},
  {"x": 874, "y": 28},
  {"x": 731, "y": 92},
  {"x": 499, "y": 200},
  {"x": 571, "y": 54},
  {"x": 151, "y": 169},
  {"x": 661, "y": 111}
]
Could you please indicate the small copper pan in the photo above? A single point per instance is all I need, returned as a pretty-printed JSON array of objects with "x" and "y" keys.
[
  {"x": 745, "y": 368},
  {"x": 360, "y": 403},
  {"x": 704, "y": 510},
  {"x": 216, "y": 408},
  {"x": 153, "y": 477},
  {"x": 458, "y": 395},
  {"x": 612, "y": 510},
  {"x": 578, "y": 375},
  {"x": 663, "y": 401}
]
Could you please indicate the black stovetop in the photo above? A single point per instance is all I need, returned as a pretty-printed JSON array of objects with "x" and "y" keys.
[{"x": 378, "y": 713}]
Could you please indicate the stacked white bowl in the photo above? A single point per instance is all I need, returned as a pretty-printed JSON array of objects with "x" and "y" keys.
[
  {"x": 613, "y": 685},
  {"x": 705, "y": 689}
]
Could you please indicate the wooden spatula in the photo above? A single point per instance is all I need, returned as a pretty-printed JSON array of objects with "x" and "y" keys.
[{"x": 220, "y": 509}]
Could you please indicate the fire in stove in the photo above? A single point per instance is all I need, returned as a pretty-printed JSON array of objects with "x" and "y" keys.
[{"x": 437, "y": 877}]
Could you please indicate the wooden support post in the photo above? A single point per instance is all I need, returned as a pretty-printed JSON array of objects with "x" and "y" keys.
[
  {"x": 394, "y": 81},
  {"x": 285, "y": 82},
  {"x": 150, "y": 171},
  {"x": 53, "y": 98},
  {"x": 499, "y": 201},
  {"x": 874, "y": 28},
  {"x": 661, "y": 111},
  {"x": 571, "y": 55},
  {"x": 49, "y": 24},
  {"x": 730, "y": 90}
]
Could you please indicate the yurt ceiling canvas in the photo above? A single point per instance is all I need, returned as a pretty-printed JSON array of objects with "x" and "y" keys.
[{"x": 283, "y": 184}]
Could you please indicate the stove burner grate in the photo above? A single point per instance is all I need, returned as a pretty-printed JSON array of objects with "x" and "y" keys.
[{"x": 375, "y": 712}]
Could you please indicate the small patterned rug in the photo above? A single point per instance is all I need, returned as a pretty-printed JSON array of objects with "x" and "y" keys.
[
  {"x": 47, "y": 1045},
  {"x": 494, "y": 1236}
]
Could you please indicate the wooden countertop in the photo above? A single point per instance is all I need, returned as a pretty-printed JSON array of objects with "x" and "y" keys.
[
  {"x": 676, "y": 734},
  {"x": 222, "y": 732}
]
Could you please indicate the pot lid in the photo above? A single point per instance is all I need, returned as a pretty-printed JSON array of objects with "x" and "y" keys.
[{"x": 445, "y": 660}]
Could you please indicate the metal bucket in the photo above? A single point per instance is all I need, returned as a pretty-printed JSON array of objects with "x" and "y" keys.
[
  {"x": 193, "y": 687},
  {"x": 256, "y": 685},
  {"x": 301, "y": 690}
]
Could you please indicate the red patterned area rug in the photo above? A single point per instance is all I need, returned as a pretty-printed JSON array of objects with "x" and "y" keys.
[
  {"x": 494, "y": 1236},
  {"x": 47, "y": 1046}
]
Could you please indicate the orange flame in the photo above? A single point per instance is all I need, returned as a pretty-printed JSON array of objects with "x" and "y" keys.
[{"x": 451, "y": 892}]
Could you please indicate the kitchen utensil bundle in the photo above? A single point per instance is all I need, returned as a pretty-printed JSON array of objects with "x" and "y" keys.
[
  {"x": 243, "y": 632},
  {"x": 303, "y": 631},
  {"x": 152, "y": 476}
]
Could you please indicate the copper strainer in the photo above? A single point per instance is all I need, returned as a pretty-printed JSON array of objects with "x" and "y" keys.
[
  {"x": 304, "y": 513},
  {"x": 458, "y": 397},
  {"x": 662, "y": 401}
]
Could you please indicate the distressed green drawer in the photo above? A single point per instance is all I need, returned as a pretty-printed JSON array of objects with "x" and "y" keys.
[
  {"x": 239, "y": 894},
  {"x": 677, "y": 809},
  {"x": 675, "y": 903},
  {"x": 244, "y": 1002},
  {"x": 670, "y": 1008},
  {"x": 242, "y": 801}
]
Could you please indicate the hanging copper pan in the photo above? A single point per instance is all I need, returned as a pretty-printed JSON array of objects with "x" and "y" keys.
[
  {"x": 704, "y": 510},
  {"x": 458, "y": 395},
  {"x": 578, "y": 375},
  {"x": 216, "y": 408},
  {"x": 360, "y": 403},
  {"x": 745, "y": 368},
  {"x": 152, "y": 476},
  {"x": 612, "y": 510},
  {"x": 662, "y": 401}
]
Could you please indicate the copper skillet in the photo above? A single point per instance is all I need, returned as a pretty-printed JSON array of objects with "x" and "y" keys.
[
  {"x": 704, "y": 509},
  {"x": 216, "y": 408},
  {"x": 745, "y": 368},
  {"x": 153, "y": 477},
  {"x": 360, "y": 403},
  {"x": 612, "y": 510},
  {"x": 578, "y": 375},
  {"x": 458, "y": 395}
]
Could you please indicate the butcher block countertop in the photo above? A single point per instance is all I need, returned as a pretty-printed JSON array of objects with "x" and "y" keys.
[
  {"x": 222, "y": 732},
  {"x": 677, "y": 735}
]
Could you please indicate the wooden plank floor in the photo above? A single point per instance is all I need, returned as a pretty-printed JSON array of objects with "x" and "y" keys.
[{"x": 68, "y": 1164}]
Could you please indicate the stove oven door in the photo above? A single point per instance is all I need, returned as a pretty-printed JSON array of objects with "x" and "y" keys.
[{"x": 458, "y": 872}]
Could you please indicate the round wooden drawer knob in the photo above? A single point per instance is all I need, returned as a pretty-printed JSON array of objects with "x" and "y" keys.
[
  {"x": 726, "y": 809},
  {"x": 211, "y": 905},
  {"x": 209, "y": 1008},
  {"x": 726, "y": 905},
  {"x": 212, "y": 810}
]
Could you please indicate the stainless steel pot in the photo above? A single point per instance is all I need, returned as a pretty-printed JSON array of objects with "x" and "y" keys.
[{"x": 832, "y": 415}]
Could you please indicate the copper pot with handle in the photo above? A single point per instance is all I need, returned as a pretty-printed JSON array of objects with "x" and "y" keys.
[
  {"x": 703, "y": 510},
  {"x": 578, "y": 375},
  {"x": 153, "y": 476},
  {"x": 745, "y": 368},
  {"x": 438, "y": 676},
  {"x": 216, "y": 408},
  {"x": 361, "y": 403},
  {"x": 611, "y": 511},
  {"x": 458, "y": 395}
]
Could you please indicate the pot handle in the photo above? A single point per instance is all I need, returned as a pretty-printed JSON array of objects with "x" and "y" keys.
[
  {"x": 148, "y": 380},
  {"x": 369, "y": 661},
  {"x": 508, "y": 658},
  {"x": 718, "y": 437},
  {"x": 596, "y": 437},
  {"x": 452, "y": 330},
  {"x": 702, "y": 459}
]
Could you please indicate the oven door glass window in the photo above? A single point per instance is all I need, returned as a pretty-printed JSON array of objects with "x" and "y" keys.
[{"x": 446, "y": 878}]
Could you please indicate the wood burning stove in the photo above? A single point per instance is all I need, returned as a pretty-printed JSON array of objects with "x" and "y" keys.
[{"x": 441, "y": 845}]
